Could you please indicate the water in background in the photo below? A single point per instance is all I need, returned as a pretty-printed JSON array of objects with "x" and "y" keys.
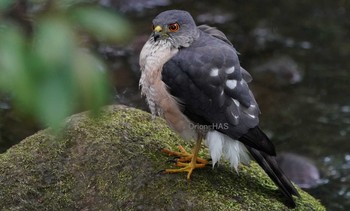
[{"x": 298, "y": 54}]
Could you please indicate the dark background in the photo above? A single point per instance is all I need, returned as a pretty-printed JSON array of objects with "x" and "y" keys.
[{"x": 298, "y": 54}]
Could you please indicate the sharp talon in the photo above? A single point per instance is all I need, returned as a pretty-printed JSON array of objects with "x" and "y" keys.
[{"x": 185, "y": 160}]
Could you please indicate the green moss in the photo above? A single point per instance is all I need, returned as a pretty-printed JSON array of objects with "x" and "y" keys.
[{"x": 112, "y": 163}]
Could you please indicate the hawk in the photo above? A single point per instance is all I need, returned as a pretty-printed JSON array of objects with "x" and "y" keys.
[{"x": 191, "y": 76}]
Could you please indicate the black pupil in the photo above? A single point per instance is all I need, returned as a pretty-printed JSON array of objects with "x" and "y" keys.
[{"x": 173, "y": 27}]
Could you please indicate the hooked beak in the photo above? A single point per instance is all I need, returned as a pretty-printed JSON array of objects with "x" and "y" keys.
[{"x": 157, "y": 32}]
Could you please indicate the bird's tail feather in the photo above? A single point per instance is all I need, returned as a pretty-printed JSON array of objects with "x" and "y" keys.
[{"x": 270, "y": 166}]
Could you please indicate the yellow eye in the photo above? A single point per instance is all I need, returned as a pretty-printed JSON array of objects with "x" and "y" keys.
[{"x": 174, "y": 27}]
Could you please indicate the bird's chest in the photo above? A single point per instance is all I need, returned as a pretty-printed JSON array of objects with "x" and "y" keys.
[
  {"x": 155, "y": 94},
  {"x": 161, "y": 102}
]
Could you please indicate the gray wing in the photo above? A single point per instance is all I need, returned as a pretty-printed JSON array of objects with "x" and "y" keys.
[
  {"x": 209, "y": 81},
  {"x": 220, "y": 35},
  {"x": 211, "y": 85},
  {"x": 215, "y": 33}
]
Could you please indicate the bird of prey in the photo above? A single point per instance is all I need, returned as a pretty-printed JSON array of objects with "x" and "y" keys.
[{"x": 191, "y": 76}]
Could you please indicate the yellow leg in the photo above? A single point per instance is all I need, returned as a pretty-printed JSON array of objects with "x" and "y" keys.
[{"x": 188, "y": 161}]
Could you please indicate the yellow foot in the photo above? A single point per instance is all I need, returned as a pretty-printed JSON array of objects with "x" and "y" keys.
[{"x": 188, "y": 161}]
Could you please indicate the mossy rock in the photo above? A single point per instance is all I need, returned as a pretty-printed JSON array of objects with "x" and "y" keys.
[{"x": 113, "y": 163}]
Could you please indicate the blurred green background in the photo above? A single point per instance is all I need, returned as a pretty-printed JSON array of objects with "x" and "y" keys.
[
  {"x": 62, "y": 57},
  {"x": 48, "y": 65}
]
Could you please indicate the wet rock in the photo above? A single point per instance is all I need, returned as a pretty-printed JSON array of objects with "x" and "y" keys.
[
  {"x": 301, "y": 170},
  {"x": 264, "y": 35},
  {"x": 282, "y": 70}
]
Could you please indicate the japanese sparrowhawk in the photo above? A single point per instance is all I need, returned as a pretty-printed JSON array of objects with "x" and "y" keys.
[{"x": 191, "y": 76}]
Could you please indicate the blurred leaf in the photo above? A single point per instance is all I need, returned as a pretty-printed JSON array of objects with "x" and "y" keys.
[
  {"x": 4, "y": 4},
  {"x": 101, "y": 23},
  {"x": 48, "y": 71},
  {"x": 90, "y": 78},
  {"x": 54, "y": 102},
  {"x": 13, "y": 74},
  {"x": 54, "y": 44},
  {"x": 11, "y": 54}
]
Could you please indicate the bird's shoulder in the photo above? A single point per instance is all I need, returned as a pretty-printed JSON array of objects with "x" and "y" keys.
[
  {"x": 208, "y": 80},
  {"x": 212, "y": 65},
  {"x": 211, "y": 48}
]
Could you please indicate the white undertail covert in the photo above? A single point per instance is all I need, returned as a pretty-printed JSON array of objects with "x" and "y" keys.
[{"x": 220, "y": 145}]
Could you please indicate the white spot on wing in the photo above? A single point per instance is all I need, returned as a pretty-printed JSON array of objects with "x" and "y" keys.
[
  {"x": 252, "y": 116},
  {"x": 236, "y": 102},
  {"x": 236, "y": 118},
  {"x": 231, "y": 84},
  {"x": 230, "y": 70},
  {"x": 214, "y": 72}
]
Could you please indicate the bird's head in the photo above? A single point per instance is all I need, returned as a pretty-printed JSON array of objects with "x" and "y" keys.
[{"x": 176, "y": 27}]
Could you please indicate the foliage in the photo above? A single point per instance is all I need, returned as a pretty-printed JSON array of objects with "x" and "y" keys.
[{"x": 48, "y": 69}]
